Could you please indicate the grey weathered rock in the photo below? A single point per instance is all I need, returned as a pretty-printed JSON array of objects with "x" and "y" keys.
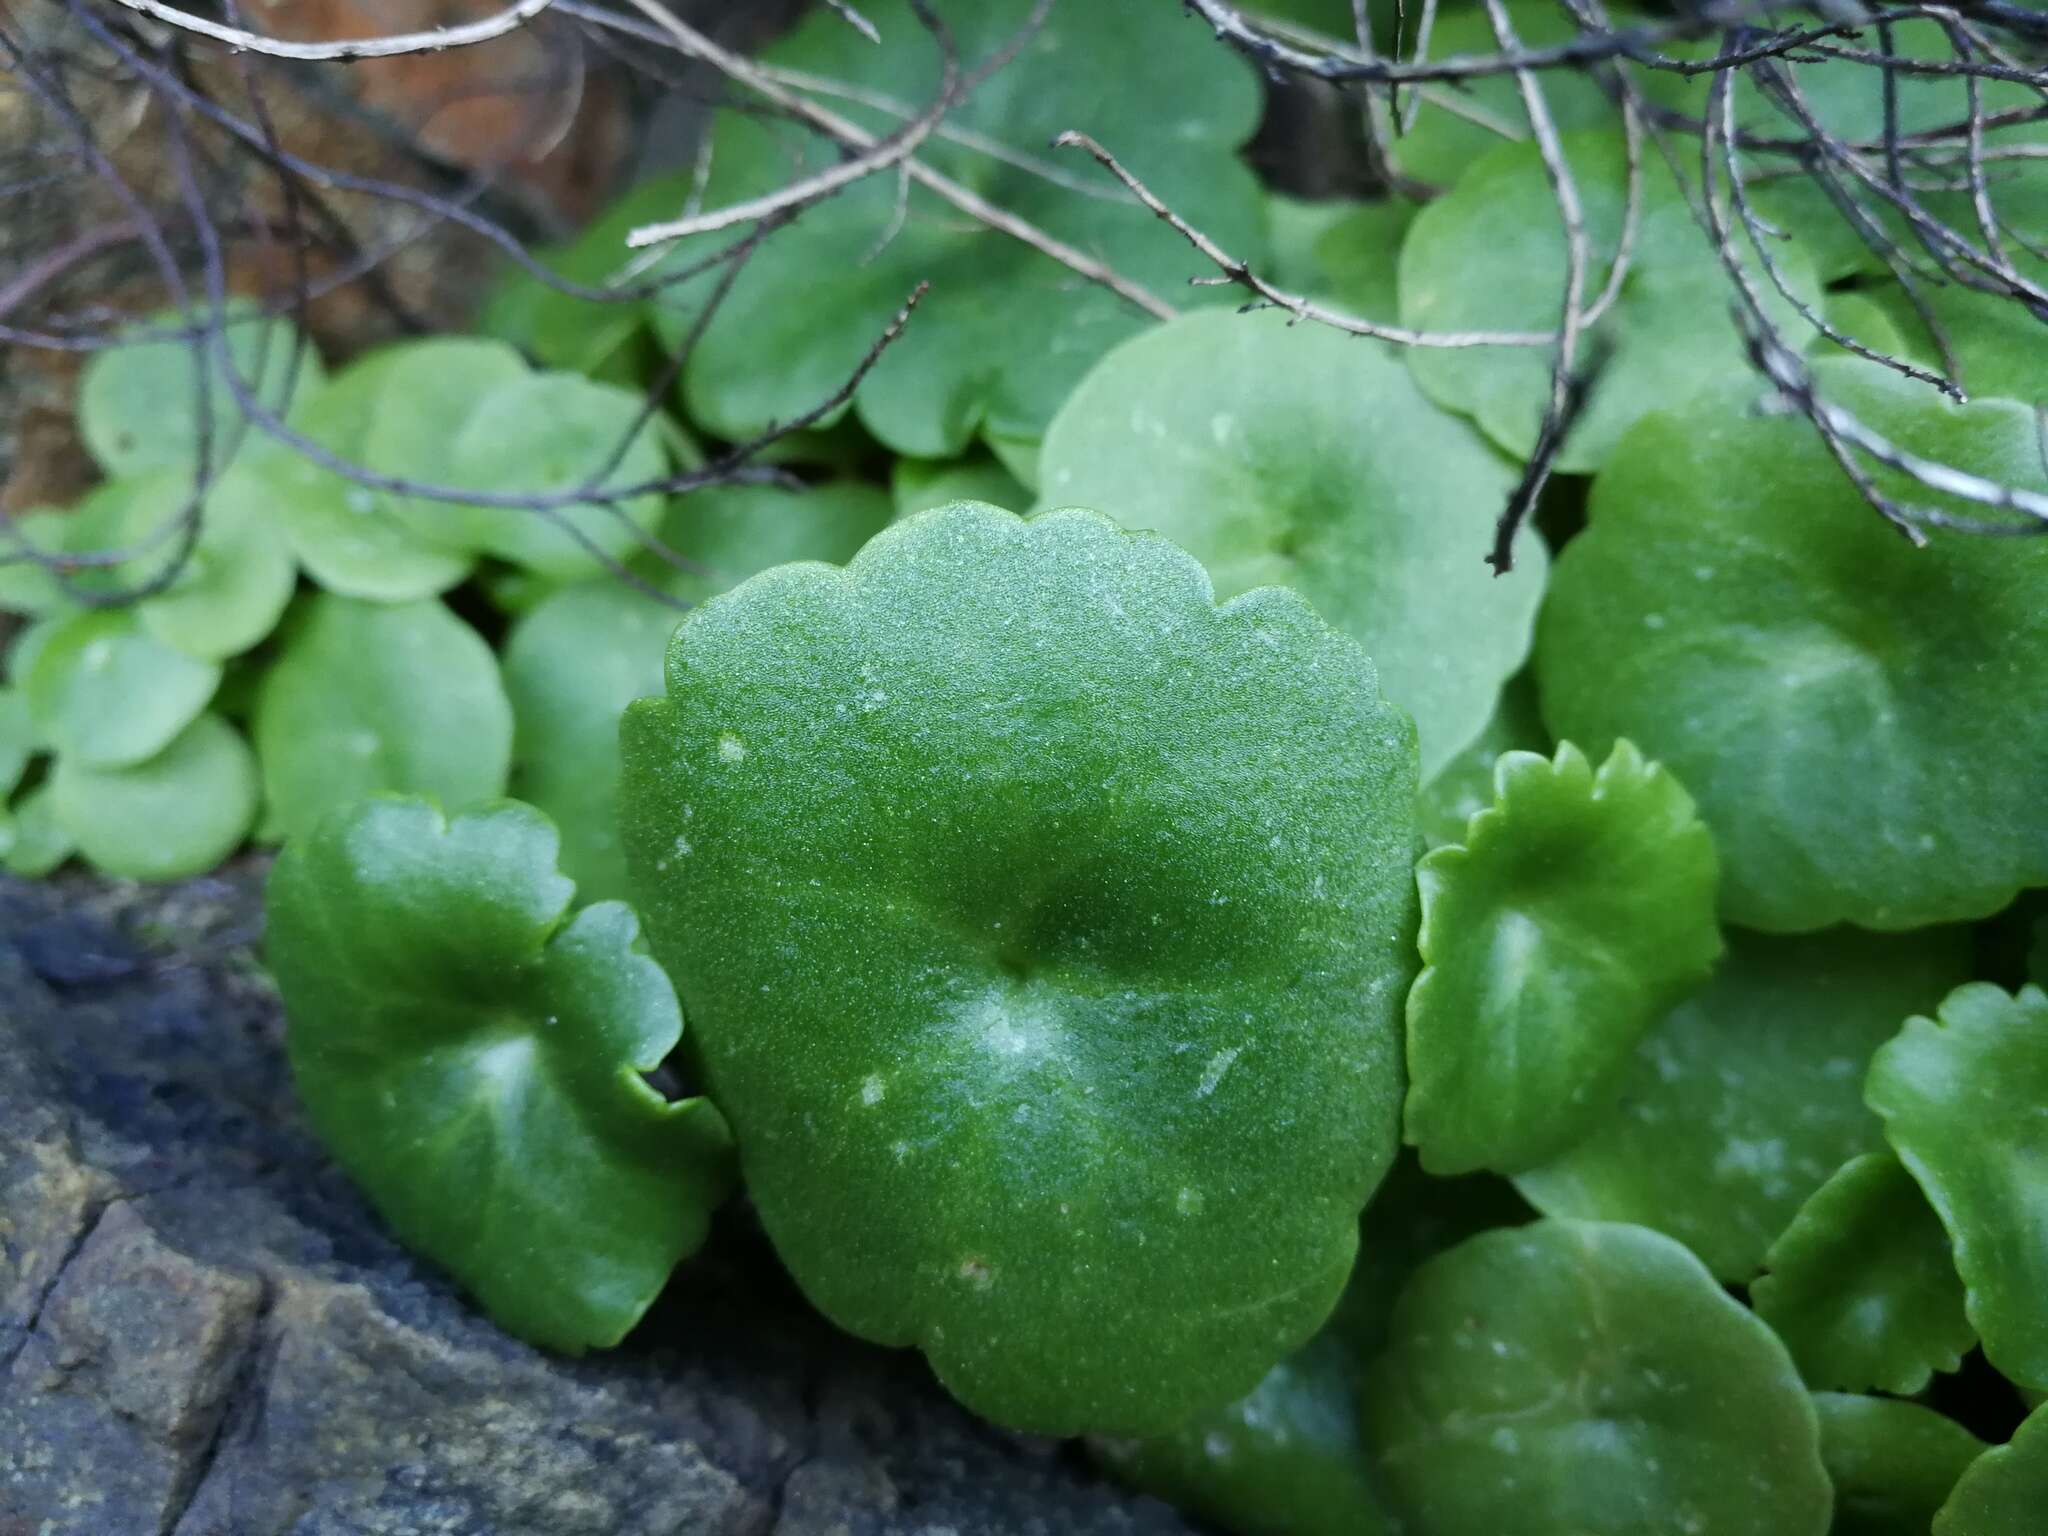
[{"x": 204, "y": 1332}]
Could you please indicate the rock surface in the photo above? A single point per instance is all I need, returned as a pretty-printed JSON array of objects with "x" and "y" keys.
[{"x": 204, "y": 1332}]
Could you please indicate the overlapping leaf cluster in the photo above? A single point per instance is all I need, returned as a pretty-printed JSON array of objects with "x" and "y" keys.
[{"x": 1048, "y": 904}]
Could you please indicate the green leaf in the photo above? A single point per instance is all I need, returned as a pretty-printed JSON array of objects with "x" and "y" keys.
[
  {"x": 1285, "y": 1460},
  {"x": 1491, "y": 256},
  {"x": 1590, "y": 1378},
  {"x": 27, "y": 586},
  {"x": 1463, "y": 787},
  {"x": 106, "y": 694},
  {"x": 2002, "y": 1492},
  {"x": 472, "y": 1057},
  {"x": 1295, "y": 230},
  {"x": 1861, "y": 1286},
  {"x": 917, "y": 484},
  {"x": 36, "y": 843},
  {"x": 1892, "y": 1463},
  {"x": 1839, "y": 703},
  {"x": 1298, "y": 455},
  {"x": 420, "y": 398},
  {"x": 365, "y": 699},
  {"x": 19, "y": 740},
  {"x": 1992, "y": 336},
  {"x": 1961, "y": 1100},
  {"x": 572, "y": 665},
  {"x": 1457, "y": 124},
  {"x": 1359, "y": 259},
  {"x": 548, "y": 434},
  {"x": 350, "y": 538},
  {"x": 1289, "y": 1458},
  {"x": 1043, "y": 928},
  {"x": 727, "y": 533},
  {"x": 1004, "y": 333},
  {"x": 176, "y": 815},
  {"x": 1578, "y": 911},
  {"x": 1746, "y": 1098},
  {"x": 230, "y": 585},
  {"x": 140, "y": 404},
  {"x": 581, "y": 335}
]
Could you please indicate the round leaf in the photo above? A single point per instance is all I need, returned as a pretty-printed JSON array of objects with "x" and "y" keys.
[
  {"x": 1861, "y": 1286},
  {"x": 1892, "y": 1463},
  {"x": 19, "y": 740},
  {"x": 176, "y": 815},
  {"x": 1492, "y": 257},
  {"x": 36, "y": 842},
  {"x": 1285, "y": 1460},
  {"x": 1004, "y": 332},
  {"x": 366, "y": 698},
  {"x": 473, "y": 1060},
  {"x": 1745, "y": 1099},
  {"x": 140, "y": 404},
  {"x": 1962, "y": 1103},
  {"x": 543, "y": 435},
  {"x": 1578, "y": 911},
  {"x": 917, "y": 484},
  {"x": 1590, "y": 1378},
  {"x": 423, "y": 395},
  {"x": 1298, "y": 455},
  {"x": 106, "y": 694},
  {"x": 571, "y": 666},
  {"x": 350, "y": 538},
  {"x": 2002, "y": 1492},
  {"x": 1043, "y": 927},
  {"x": 229, "y": 588},
  {"x": 27, "y": 585},
  {"x": 1840, "y": 704},
  {"x": 727, "y": 533}
]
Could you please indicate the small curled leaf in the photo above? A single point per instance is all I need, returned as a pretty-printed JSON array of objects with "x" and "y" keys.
[
  {"x": 1961, "y": 1095},
  {"x": 1579, "y": 910},
  {"x": 1861, "y": 1286},
  {"x": 473, "y": 1057}
]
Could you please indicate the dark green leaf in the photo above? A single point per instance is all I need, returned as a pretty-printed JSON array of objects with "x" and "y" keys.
[
  {"x": 1043, "y": 928},
  {"x": 1861, "y": 1286},
  {"x": 473, "y": 1058},
  {"x": 1892, "y": 1463}
]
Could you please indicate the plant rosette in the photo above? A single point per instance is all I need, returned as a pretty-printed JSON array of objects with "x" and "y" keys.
[
  {"x": 1043, "y": 928},
  {"x": 472, "y": 1055}
]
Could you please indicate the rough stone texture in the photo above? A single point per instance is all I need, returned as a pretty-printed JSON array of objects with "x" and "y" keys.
[{"x": 204, "y": 1332}]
